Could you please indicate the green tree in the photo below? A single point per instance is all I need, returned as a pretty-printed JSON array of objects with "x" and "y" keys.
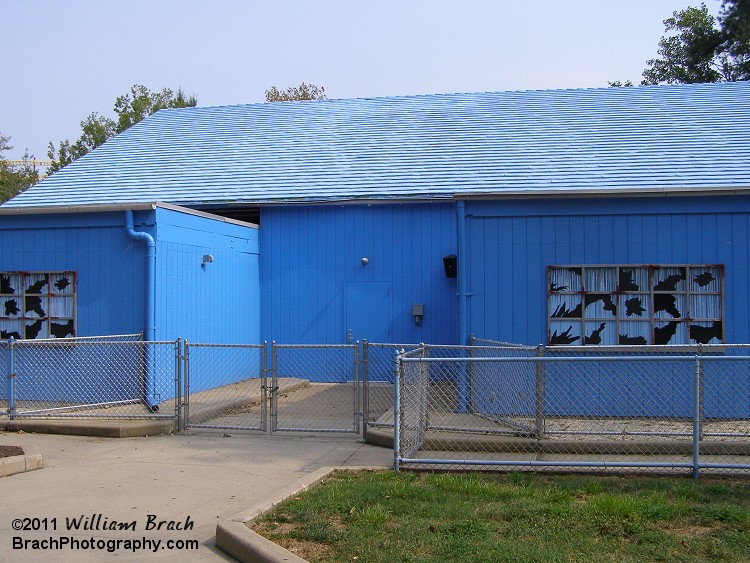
[
  {"x": 696, "y": 49},
  {"x": 140, "y": 103},
  {"x": 735, "y": 24},
  {"x": 129, "y": 108},
  {"x": 95, "y": 130},
  {"x": 14, "y": 178},
  {"x": 303, "y": 92},
  {"x": 690, "y": 53}
]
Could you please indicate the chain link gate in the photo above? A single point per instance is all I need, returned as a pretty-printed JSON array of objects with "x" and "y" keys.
[
  {"x": 324, "y": 388},
  {"x": 311, "y": 387},
  {"x": 226, "y": 386}
]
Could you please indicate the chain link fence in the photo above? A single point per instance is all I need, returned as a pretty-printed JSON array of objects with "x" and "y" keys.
[
  {"x": 412, "y": 392},
  {"x": 378, "y": 376},
  {"x": 323, "y": 383},
  {"x": 92, "y": 377},
  {"x": 658, "y": 409},
  {"x": 225, "y": 386},
  {"x": 488, "y": 405}
]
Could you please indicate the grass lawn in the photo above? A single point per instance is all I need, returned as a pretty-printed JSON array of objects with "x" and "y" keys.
[{"x": 383, "y": 516}]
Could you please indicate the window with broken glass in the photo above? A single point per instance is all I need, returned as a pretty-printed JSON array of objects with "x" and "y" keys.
[
  {"x": 37, "y": 305},
  {"x": 635, "y": 304}
]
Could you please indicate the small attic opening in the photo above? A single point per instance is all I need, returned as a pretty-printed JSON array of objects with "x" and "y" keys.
[{"x": 248, "y": 214}]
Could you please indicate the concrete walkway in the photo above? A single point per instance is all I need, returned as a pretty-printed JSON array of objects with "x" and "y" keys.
[{"x": 201, "y": 478}]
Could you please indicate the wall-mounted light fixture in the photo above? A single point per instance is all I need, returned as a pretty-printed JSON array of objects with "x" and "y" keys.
[
  {"x": 417, "y": 311},
  {"x": 365, "y": 261},
  {"x": 207, "y": 259}
]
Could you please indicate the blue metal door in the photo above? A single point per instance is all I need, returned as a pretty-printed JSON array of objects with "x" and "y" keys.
[{"x": 368, "y": 311}]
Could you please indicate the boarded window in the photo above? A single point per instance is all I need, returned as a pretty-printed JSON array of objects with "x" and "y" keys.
[
  {"x": 37, "y": 305},
  {"x": 635, "y": 304}
]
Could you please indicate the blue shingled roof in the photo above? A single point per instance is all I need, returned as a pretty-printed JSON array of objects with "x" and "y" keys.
[{"x": 606, "y": 140}]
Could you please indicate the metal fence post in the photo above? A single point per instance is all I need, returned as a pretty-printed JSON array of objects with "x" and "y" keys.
[
  {"x": 186, "y": 386},
  {"x": 396, "y": 411},
  {"x": 365, "y": 389},
  {"x": 177, "y": 383},
  {"x": 264, "y": 388},
  {"x": 12, "y": 380},
  {"x": 357, "y": 414},
  {"x": 700, "y": 353},
  {"x": 274, "y": 396},
  {"x": 539, "y": 400},
  {"x": 696, "y": 416}
]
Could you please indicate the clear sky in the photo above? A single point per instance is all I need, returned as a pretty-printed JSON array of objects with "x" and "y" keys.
[{"x": 64, "y": 59}]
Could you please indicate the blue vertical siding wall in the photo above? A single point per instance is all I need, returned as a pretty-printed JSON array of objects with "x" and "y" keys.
[
  {"x": 309, "y": 254},
  {"x": 109, "y": 294},
  {"x": 218, "y": 303},
  {"x": 109, "y": 265},
  {"x": 215, "y": 303},
  {"x": 512, "y": 243}
]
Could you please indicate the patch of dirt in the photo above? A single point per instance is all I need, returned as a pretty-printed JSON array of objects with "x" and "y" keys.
[
  {"x": 306, "y": 550},
  {"x": 279, "y": 534},
  {"x": 8, "y": 451}
]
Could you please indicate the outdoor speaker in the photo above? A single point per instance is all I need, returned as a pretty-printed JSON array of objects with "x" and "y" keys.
[{"x": 449, "y": 263}]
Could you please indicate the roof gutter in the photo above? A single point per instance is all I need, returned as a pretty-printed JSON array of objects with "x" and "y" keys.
[
  {"x": 150, "y": 332},
  {"x": 94, "y": 208}
]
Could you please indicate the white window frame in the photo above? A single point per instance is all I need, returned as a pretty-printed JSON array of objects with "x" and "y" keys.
[
  {"x": 651, "y": 301},
  {"x": 49, "y": 312}
]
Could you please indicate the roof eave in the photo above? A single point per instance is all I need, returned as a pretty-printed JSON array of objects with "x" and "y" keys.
[
  {"x": 115, "y": 207},
  {"x": 671, "y": 191},
  {"x": 528, "y": 193}
]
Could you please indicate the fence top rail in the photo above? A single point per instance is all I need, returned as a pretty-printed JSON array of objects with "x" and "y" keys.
[
  {"x": 572, "y": 359},
  {"x": 389, "y": 345},
  {"x": 208, "y": 345},
  {"x": 105, "y": 337},
  {"x": 463, "y": 347},
  {"x": 485, "y": 347},
  {"x": 499, "y": 343},
  {"x": 71, "y": 342},
  {"x": 651, "y": 349},
  {"x": 339, "y": 346}
]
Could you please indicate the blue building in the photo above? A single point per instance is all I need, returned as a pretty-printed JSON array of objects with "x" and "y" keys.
[
  {"x": 596, "y": 216},
  {"x": 159, "y": 269}
]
